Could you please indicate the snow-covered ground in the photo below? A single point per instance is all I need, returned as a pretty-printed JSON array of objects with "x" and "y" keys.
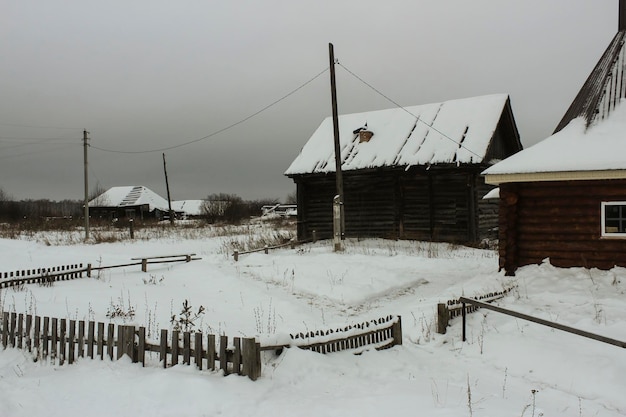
[{"x": 508, "y": 367}]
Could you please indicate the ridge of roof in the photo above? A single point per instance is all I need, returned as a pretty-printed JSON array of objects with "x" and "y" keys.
[{"x": 604, "y": 87}]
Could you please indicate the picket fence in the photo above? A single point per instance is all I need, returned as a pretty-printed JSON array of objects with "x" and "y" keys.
[
  {"x": 383, "y": 333},
  {"x": 43, "y": 275},
  {"x": 62, "y": 341},
  {"x": 454, "y": 308}
]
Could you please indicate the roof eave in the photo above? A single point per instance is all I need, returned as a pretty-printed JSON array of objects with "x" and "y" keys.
[{"x": 497, "y": 179}]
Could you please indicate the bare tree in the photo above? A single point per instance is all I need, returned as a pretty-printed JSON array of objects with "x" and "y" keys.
[{"x": 97, "y": 196}]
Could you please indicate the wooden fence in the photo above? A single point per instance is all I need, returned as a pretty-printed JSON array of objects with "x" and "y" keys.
[
  {"x": 292, "y": 243},
  {"x": 378, "y": 334},
  {"x": 63, "y": 341},
  {"x": 454, "y": 308},
  {"x": 67, "y": 272},
  {"x": 43, "y": 275}
]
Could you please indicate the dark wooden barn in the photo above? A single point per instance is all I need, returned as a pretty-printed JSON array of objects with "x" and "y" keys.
[
  {"x": 408, "y": 173},
  {"x": 565, "y": 198}
]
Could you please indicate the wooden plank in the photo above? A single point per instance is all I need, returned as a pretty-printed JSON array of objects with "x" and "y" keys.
[
  {"x": 62, "y": 341},
  {"x": 224, "y": 354},
  {"x": 198, "y": 351},
  {"x": 210, "y": 349},
  {"x": 53, "y": 338},
  {"x": 186, "y": 348},
  {"x": 36, "y": 337},
  {"x": 71, "y": 339},
  {"x": 163, "y": 348},
  {"x": 20, "y": 330},
  {"x": 12, "y": 329},
  {"x": 237, "y": 355},
  {"x": 141, "y": 346},
  {"x": 27, "y": 332},
  {"x": 81, "y": 338},
  {"x": 100, "y": 341},
  {"x": 90, "y": 338},
  {"x": 5, "y": 329},
  {"x": 121, "y": 341},
  {"x": 110, "y": 340},
  {"x": 175, "y": 347},
  {"x": 45, "y": 337}
]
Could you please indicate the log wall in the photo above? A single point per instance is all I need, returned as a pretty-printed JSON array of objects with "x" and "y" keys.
[
  {"x": 440, "y": 204},
  {"x": 560, "y": 220}
]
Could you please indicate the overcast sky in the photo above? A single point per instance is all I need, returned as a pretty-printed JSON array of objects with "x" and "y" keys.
[{"x": 144, "y": 75}]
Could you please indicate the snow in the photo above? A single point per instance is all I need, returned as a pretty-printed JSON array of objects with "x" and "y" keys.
[
  {"x": 401, "y": 140},
  {"x": 313, "y": 288},
  {"x": 189, "y": 207},
  {"x": 601, "y": 147}
]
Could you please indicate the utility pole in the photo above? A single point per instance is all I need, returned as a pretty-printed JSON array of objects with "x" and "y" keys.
[
  {"x": 167, "y": 186},
  {"x": 85, "y": 145},
  {"x": 338, "y": 174}
]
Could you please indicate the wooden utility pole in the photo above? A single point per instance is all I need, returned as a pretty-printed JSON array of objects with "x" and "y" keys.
[
  {"x": 85, "y": 145},
  {"x": 338, "y": 174},
  {"x": 167, "y": 186}
]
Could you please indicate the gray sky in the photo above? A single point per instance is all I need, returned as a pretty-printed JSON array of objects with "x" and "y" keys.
[{"x": 142, "y": 75}]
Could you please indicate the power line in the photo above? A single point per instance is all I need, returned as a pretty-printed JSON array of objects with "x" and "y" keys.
[
  {"x": 40, "y": 127},
  {"x": 36, "y": 152},
  {"x": 217, "y": 132},
  {"x": 417, "y": 118}
]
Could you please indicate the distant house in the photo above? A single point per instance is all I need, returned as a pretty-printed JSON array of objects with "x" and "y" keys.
[
  {"x": 409, "y": 173},
  {"x": 565, "y": 198},
  {"x": 280, "y": 210},
  {"x": 189, "y": 208},
  {"x": 134, "y": 202}
]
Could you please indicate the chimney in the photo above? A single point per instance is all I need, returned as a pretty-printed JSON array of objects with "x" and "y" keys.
[
  {"x": 366, "y": 135},
  {"x": 622, "y": 15}
]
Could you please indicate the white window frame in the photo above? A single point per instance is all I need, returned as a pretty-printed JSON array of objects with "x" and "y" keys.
[{"x": 604, "y": 204}]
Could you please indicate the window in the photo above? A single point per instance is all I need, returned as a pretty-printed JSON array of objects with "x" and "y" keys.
[{"x": 614, "y": 218}]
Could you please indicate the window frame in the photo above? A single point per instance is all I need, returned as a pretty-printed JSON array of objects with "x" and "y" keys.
[{"x": 603, "y": 231}]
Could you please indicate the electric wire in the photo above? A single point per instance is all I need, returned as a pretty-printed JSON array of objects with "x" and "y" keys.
[
  {"x": 217, "y": 132},
  {"x": 40, "y": 127},
  {"x": 417, "y": 118}
]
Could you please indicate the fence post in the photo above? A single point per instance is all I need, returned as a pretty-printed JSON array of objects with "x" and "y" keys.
[
  {"x": 131, "y": 226},
  {"x": 236, "y": 255},
  {"x": 292, "y": 243},
  {"x": 314, "y": 236},
  {"x": 396, "y": 332},
  {"x": 126, "y": 342},
  {"x": 443, "y": 318},
  {"x": 337, "y": 224},
  {"x": 251, "y": 358},
  {"x": 463, "y": 314},
  {"x": 88, "y": 270},
  {"x": 266, "y": 249}
]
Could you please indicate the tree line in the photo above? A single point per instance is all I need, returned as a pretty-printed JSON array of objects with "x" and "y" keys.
[{"x": 219, "y": 207}]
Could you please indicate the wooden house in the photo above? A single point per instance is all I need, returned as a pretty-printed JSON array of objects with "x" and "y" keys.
[
  {"x": 565, "y": 197},
  {"x": 131, "y": 202},
  {"x": 408, "y": 173}
]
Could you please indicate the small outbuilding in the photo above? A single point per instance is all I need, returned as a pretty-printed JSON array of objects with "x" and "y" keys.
[
  {"x": 565, "y": 197},
  {"x": 408, "y": 173}
]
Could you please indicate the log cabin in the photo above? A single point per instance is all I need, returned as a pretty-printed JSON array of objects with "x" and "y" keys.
[
  {"x": 564, "y": 199},
  {"x": 408, "y": 173}
]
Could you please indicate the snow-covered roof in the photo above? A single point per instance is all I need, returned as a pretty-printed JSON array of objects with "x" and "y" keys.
[
  {"x": 189, "y": 207},
  {"x": 130, "y": 196},
  {"x": 575, "y": 152},
  {"x": 455, "y": 131}
]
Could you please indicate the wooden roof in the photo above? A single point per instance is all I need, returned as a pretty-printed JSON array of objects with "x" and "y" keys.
[
  {"x": 453, "y": 132},
  {"x": 606, "y": 85}
]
